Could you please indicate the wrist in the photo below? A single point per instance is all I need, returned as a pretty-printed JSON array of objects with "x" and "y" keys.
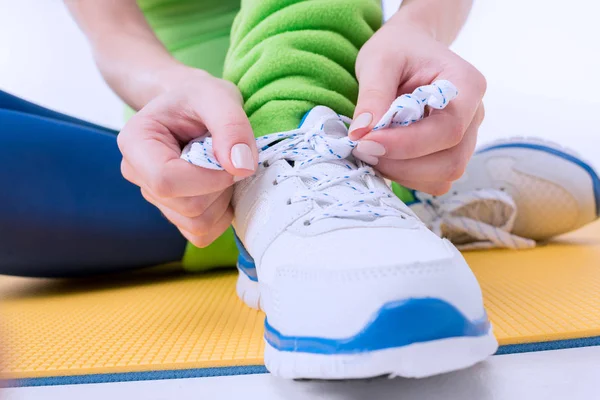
[
  {"x": 177, "y": 74},
  {"x": 439, "y": 19},
  {"x": 415, "y": 18},
  {"x": 144, "y": 74}
]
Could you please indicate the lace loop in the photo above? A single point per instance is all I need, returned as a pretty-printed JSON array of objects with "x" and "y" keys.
[{"x": 480, "y": 219}]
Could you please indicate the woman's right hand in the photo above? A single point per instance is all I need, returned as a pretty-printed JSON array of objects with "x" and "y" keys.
[{"x": 196, "y": 200}]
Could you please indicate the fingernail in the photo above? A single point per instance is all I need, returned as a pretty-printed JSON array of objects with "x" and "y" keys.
[
  {"x": 241, "y": 157},
  {"x": 369, "y": 159},
  {"x": 362, "y": 121},
  {"x": 236, "y": 178},
  {"x": 371, "y": 148}
]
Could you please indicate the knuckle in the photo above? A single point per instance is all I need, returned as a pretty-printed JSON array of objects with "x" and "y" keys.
[
  {"x": 199, "y": 226},
  {"x": 455, "y": 132},
  {"x": 440, "y": 189},
  {"x": 374, "y": 94},
  {"x": 480, "y": 114},
  {"x": 125, "y": 171},
  {"x": 161, "y": 186},
  {"x": 193, "y": 207},
  {"x": 235, "y": 125},
  {"x": 481, "y": 82},
  {"x": 200, "y": 241},
  {"x": 456, "y": 169},
  {"x": 477, "y": 79},
  {"x": 231, "y": 88},
  {"x": 146, "y": 196},
  {"x": 122, "y": 141}
]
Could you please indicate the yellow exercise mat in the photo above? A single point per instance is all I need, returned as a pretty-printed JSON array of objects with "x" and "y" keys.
[{"x": 160, "y": 319}]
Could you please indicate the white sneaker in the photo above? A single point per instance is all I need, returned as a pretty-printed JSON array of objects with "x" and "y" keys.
[
  {"x": 515, "y": 190},
  {"x": 352, "y": 283}
]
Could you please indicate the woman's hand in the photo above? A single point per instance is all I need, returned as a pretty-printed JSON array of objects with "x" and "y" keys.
[
  {"x": 431, "y": 153},
  {"x": 196, "y": 200},
  {"x": 177, "y": 104}
]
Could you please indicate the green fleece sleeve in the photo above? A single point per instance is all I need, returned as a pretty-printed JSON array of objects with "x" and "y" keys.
[{"x": 287, "y": 56}]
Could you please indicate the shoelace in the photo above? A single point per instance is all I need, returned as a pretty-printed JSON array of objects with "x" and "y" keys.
[
  {"x": 465, "y": 213},
  {"x": 309, "y": 145}
]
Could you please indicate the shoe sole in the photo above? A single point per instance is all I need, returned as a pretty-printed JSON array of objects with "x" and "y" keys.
[{"x": 416, "y": 360}]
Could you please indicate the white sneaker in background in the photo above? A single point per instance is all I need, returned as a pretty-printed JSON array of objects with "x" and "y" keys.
[{"x": 528, "y": 187}]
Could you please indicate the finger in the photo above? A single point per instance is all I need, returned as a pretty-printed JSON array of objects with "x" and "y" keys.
[
  {"x": 151, "y": 153},
  {"x": 377, "y": 89},
  {"x": 186, "y": 206},
  {"x": 216, "y": 230},
  {"x": 129, "y": 173},
  {"x": 447, "y": 165},
  {"x": 201, "y": 224},
  {"x": 234, "y": 144},
  {"x": 441, "y": 130}
]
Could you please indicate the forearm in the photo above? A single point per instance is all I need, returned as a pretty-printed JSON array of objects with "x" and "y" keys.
[
  {"x": 130, "y": 57},
  {"x": 442, "y": 18}
]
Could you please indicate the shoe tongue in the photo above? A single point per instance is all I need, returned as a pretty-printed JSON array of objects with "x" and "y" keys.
[
  {"x": 333, "y": 124},
  {"x": 333, "y": 127}
]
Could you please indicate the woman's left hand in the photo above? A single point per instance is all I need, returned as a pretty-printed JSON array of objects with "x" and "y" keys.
[{"x": 430, "y": 154}]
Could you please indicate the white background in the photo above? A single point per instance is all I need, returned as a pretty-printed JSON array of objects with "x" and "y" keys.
[
  {"x": 542, "y": 64},
  {"x": 541, "y": 59}
]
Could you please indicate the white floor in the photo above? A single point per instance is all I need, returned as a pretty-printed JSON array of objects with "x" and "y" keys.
[
  {"x": 564, "y": 374},
  {"x": 541, "y": 60}
]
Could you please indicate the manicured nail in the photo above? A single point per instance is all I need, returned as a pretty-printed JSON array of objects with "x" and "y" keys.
[
  {"x": 371, "y": 148},
  {"x": 369, "y": 159},
  {"x": 362, "y": 121},
  {"x": 241, "y": 157}
]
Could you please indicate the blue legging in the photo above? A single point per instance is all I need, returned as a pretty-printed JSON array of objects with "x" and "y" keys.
[{"x": 65, "y": 209}]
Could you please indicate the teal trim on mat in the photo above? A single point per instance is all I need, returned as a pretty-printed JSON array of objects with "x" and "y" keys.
[
  {"x": 257, "y": 369},
  {"x": 553, "y": 345},
  {"x": 138, "y": 376}
]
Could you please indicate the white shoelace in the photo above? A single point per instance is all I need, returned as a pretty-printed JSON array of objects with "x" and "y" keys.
[
  {"x": 481, "y": 219},
  {"x": 309, "y": 145}
]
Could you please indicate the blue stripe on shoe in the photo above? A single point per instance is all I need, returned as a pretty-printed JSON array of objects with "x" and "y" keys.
[
  {"x": 245, "y": 261},
  {"x": 396, "y": 324},
  {"x": 303, "y": 119},
  {"x": 588, "y": 168}
]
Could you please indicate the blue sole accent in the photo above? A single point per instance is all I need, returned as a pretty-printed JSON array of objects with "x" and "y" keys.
[
  {"x": 245, "y": 261},
  {"x": 303, "y": 118},
  {"x": 256, "y": 369},
  {"x": 588, "y": 168},
  {"x": 396, "y": 324}
]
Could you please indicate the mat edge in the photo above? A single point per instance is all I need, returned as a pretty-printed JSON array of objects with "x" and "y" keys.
[{"x": 254, "y": 369}]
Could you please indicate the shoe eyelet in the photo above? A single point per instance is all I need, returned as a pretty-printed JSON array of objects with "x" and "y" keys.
[
  {"x": 306, "y": 223},
  {"x": 289, "y": 202},
  {"x": 454, "y": 193},
  {"x": 266, "y": 164},
  {"x": 502, "y": 189},
  {"x": 403, "y": 217},
  {"x": 275, "y": 183}
]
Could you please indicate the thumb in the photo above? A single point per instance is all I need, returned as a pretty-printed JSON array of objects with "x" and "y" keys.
[
  {"x": 233, "y": 140},
  {"x": 377, "y": 89}
]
